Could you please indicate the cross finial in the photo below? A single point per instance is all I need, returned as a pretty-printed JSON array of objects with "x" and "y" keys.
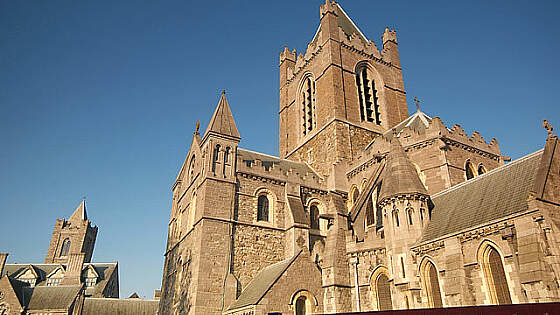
[
  {"x": 197, "y": 126},
  {"x": 548, "y": 128},
  {"x": 224, "y": 92},
  {"x": 417, "y": 102}
]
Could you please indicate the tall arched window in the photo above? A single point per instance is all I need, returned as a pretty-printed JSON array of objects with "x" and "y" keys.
[
  {"x": 481, "y": 169},
  {"x": 410, "y": 212},
  {"x": 191, "y": 169},
  {"x": 396, "y": 218},
  {"x": 263, "y": 208},
  {"x": 370, "y": 214},
  {"x": 469, "y": 170},
  {"x": 65, "y": 248},
  {"x": 314, "y": 217},
  {"x": 307, "y": 99},
  {"x": 431, "y": 284},
  {"x": 367, "y": 95},
  {"x": 383, "y": 288},
  {"x": 215, "y": 157},
  {"x": 495, "y": 276}
]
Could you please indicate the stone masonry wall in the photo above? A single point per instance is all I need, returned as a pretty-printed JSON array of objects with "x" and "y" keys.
[{"x": 255, "y": 248}]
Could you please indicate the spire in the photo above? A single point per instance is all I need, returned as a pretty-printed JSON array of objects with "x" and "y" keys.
[
  {"x": 222, "y": 121},
  {"x": 80, "y": 213},
  {"x": 400, "y": 176}
]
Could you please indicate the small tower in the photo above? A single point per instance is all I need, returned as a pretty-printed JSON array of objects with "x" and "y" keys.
[
  {"x": 73, "y": 236},
  {"x": 403, "y": 200},
  {"x": 198, "y": 260}
]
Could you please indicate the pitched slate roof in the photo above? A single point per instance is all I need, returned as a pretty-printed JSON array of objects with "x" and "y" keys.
[
  {"x": 497, "y": 194},
  {"x": 222, "y": 121},
  {"x": 257, "y": 288},
  {"x": 399, "y": 176},
  {"x": 345, "y": 23},
  {"x": 298, "y": 213},
  {"x": 100, "y": 306},
  {"x": 80, "y": 213},
  {"x": 51, "y": 298}
]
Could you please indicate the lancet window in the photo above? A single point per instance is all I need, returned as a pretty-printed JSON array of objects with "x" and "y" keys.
[
  {"x": 307, "y": 99},
  {"x": 368, "y": 95}
]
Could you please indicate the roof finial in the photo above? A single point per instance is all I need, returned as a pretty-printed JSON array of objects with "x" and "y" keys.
[
  {"x": 548, "y": 128},
  {"x": 197, "y": 126},
  {"x": 223, "y": 92},
  {"x": 417, "y": 101}
]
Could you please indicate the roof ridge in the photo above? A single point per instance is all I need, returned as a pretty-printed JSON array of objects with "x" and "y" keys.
[{"x": 493, "y": 171}]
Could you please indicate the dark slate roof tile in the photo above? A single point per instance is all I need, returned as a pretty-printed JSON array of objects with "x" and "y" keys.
[{"x": 497, "y": 194}]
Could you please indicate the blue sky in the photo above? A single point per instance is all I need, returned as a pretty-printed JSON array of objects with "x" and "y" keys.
[{"x": 100, "y": 98}]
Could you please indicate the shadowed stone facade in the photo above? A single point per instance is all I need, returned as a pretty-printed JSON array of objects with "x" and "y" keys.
[{"x": 366, "y": 208}]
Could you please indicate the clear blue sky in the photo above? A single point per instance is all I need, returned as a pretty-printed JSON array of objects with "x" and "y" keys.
[{"x": 100, "y": 98}]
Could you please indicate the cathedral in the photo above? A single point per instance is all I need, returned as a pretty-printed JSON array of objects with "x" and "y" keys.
[{"x": 367, "y": 207}]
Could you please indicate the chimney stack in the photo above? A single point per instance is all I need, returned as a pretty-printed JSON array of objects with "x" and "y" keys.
[
  {"x": 3, "y": 258},
  {"x": 74, "y": 268}
]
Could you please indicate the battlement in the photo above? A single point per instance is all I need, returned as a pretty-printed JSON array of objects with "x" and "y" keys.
[
  {"x": 328, "y": 7},
  {"x": 389, "y": 35},
  {"x": 287, "y": 55},
  {"x": 274, "y": 168}
]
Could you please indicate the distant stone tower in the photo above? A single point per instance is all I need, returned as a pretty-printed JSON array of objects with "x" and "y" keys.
[
  {"x": 73, "y": 236},
  {"x": 340, "y": 95}
]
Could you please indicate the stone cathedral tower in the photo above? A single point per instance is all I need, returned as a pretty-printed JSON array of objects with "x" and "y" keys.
[
  {"x": 319, "y": 121},
  {"x": 73, "y": 236}
]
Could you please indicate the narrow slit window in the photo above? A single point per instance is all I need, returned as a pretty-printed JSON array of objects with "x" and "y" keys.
[{"x": 215, "y": 157}]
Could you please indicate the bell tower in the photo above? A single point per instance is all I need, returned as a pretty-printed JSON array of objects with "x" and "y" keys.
[
  {"x": 73, "y": 236},
  {"x": 340, "y": 94}
]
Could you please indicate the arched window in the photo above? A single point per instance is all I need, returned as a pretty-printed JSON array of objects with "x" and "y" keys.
[
  {"x": 314, "y": 217},
  {"x": 65, "y": 248},
  {"x": 263, "y": 208},
  {"x": 301, "y": 308},
  {"x": 226, "y": 160},
  {"x": 215, "y": 157},
  {"x": 383, "y": 288},
  {"x": 367, "y": 95},
  {"x": 191, "y": 169},
  {"x": 469, "y": 170},
  {"x": 495, "y": 276},
  {"x": 303, "y": 302},
  {"x": 481, "y": 169},
  {"x": 396, "y": 217},
  {"x": 431, "y": 284},
  {"x": 355, "y": 195},
  {"x": 410, "y": 212},
  {"x": 307, "y": 97}
]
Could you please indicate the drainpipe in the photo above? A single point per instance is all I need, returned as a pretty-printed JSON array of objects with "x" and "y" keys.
[{"x": 354, "y": 261}]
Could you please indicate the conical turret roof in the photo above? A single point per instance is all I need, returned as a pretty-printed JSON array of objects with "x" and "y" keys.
[
  {"x": 80, "y": 213},
  {"x": 222, "y": 121},
  {"x": 400, "y": 176}
]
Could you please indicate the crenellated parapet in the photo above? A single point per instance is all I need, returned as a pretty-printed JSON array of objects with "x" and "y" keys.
[
  {"x": 286, "y": 54},
  {"x": 457, "y": 137},
  {"x": 271, "y": 169},
  {"x": 389, "y": 35}
]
